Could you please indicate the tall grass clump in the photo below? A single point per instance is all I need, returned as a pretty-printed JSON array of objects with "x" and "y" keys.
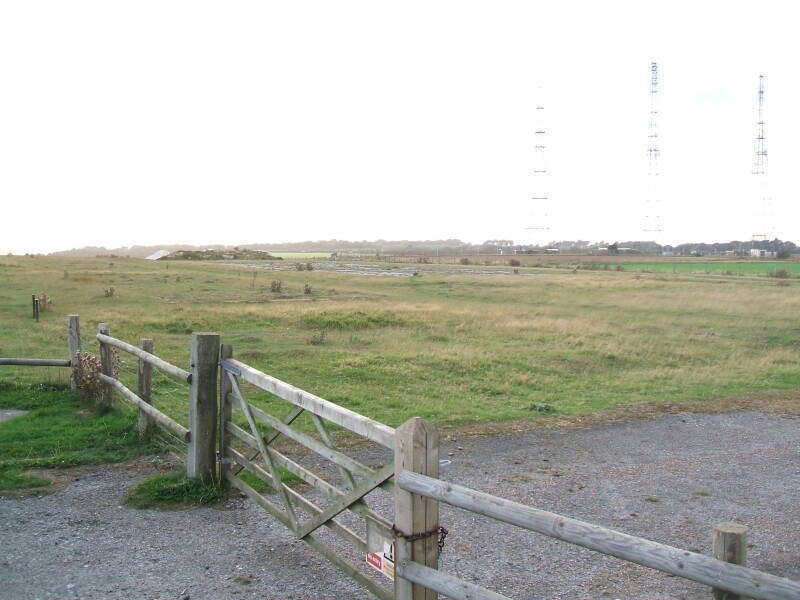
[
  {"x": 172, "y": 490},
  {"x": 353, "y": 320}
]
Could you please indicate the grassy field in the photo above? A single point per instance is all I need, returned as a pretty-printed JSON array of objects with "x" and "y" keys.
[
  {"x": 768, "y": 268},
  {"x": 633, "y": 263},
  {"x": 452, "y": 348}
]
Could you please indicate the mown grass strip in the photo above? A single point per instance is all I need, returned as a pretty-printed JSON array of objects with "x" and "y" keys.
[{"x": 61, "y": 432}]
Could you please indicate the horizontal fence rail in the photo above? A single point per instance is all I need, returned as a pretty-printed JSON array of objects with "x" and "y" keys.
[
  {"x": 682, "y": 563},
  {"x": 446, "y": 584},
  {"x": 36, "y": 362},
  {"x": 363, "y": 426},
  {"x": 147, "y": 357},
  {"x": 146, "y": 408}
]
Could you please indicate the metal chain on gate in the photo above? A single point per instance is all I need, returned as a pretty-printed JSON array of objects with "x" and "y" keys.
[{"x": 413, "y": 537}]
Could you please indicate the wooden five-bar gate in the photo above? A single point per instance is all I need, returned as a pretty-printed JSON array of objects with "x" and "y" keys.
[
  {"x": 355, "y": 480},
  {"x": 230, "y": 435}
]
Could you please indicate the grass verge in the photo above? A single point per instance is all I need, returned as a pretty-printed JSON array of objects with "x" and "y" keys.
[
  {"x": 173, "y": 490},
  {"x": 60, "y": 432}
]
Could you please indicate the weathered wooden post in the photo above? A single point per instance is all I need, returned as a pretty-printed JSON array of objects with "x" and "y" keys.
[
  {"x": 416, "y": 450},
  {"x": 36, "y": 308},
  {"x": 106, "y": 368},
  {"x": 74, "y": 343},
  {"x": 729, "y": 543},
  {"x": 201, "y": 455},
  {"x": 145, "y": 423},
  {"x": 33, "y": 306},
  {"x": 225, "y": 388}
]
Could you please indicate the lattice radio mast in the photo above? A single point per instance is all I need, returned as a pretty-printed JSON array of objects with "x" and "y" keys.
[
  {"x": 760, "y": 167},
  {"x": 540, "y": 213},
  {"x": 652, "y": 217}
]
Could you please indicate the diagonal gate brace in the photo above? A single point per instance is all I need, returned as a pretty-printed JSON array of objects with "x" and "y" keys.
[
  {"x": 265, "y": 453},
  {"x": 345, "y": 501}
]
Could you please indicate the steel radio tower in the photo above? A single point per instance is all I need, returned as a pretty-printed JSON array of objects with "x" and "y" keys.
[
  {"x": 760, "y": 183},
  {"x": 540, "y": 214},
  {"x": 652, "y": 217}
]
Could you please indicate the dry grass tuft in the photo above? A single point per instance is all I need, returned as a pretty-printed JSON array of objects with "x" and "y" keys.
[
  {"x": 45, "y": 302},
  {"x": 87, "y": 375}
]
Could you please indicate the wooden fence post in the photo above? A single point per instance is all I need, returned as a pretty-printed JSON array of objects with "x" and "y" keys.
[
  {"x": 201, "y": 455},
  {"x": 416, "y": 450},
  {"x": 729, "y": 543},
  {"x": 36, "y": 308},
  {"x": 145, "y": 423},
  {"x": 33, "y": 306},
  {"x": 225, "y": 388},
  {"x": 74, "y": 342},
  {"x": 107, "y": 368}
]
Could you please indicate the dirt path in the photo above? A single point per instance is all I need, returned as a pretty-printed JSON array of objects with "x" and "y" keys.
[
  {"x": 7, "y": 414},
  {"x": 668, "y": 479}
]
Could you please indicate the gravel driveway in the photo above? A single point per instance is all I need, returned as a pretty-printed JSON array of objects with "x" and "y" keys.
[{"x": 669, "y": 479}]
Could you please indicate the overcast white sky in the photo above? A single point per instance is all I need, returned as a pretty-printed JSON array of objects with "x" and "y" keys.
[{"x": 155, "y": 122}]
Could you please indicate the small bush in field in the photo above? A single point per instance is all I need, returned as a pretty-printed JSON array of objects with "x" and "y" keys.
[
  {"x": 276, "y": 286},
  {"x": 318, "y": 338},
  {"x": 514, "y": 263},
  {"x": 464, "y": 261},
  {"x": 780, "y": 274}
]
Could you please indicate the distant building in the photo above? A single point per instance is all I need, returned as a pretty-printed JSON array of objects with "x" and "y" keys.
[
  {"x": 158, "y": 254},
  {"x": 758, "y": 253}
]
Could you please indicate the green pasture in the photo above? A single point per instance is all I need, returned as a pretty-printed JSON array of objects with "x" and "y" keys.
[{"x": 767, "y": 268}]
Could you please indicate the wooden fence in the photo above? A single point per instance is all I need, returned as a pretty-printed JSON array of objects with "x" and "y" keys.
[
  {"x": 729, "y": 581},
  {"x": 403, "y": 545},
  {"x": 201, "y": 397},
  {"x": 73, "y": 346}
]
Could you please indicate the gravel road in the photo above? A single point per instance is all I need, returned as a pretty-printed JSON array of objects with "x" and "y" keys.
[{"x": 669, "y": 479}]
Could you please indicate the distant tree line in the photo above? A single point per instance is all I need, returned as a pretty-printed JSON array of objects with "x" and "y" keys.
[{"x": 455, "y": 246}]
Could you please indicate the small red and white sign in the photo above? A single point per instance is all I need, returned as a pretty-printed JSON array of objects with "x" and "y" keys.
[{"x": 383, "y": 561}]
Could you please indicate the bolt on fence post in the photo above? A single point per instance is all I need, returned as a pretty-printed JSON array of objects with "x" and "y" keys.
[
  {"x": 145, "y": 423},
  {"x": 416, "y": 450},
  {"x": 729, "y": 543},
  {"x": 74, "y": 343},
  {"x": 201, "y": 455},
  {"x": 225, "y": 388},
  {"x": 106, "y": 368}
]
